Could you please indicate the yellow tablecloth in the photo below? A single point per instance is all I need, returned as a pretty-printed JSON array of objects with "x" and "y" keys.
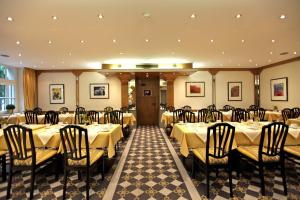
[
  {"x": 20, "y": 118},
  {"x": 244, "y": 136},
  {"x": 128, "y": 119},
  {"x": 105, "y": 139},
  {"x": 167, "y": 118},
  {"x": 293, "y": 121},
  {"x": 273, "y": 116}
]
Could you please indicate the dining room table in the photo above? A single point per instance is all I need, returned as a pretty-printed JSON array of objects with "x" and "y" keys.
[
  {"x": 19, "y": 118},
  {"x": 294, "y": 122},
  {"x": 194, "y": 135}
]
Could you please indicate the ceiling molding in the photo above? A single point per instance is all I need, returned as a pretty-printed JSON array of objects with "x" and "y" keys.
[{"x": 280, "y": 63}]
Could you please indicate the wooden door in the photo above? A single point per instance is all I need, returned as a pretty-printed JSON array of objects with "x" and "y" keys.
[{"x": 147, "y": 98}]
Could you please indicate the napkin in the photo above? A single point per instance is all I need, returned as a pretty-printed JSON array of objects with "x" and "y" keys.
[
  {"x": 251, "y": 132},
  {"x": 294, "y": 132},
  {"x": 46, "y": 135}
]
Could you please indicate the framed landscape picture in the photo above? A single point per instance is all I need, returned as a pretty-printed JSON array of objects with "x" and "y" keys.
[
  {"x": 195, "y": 89},
  {"x": 99, "y": 91},
  {"x": 279, "y": 89},
  {"x": 235, "y": 91},
  {"x": 57, "y": 93}
]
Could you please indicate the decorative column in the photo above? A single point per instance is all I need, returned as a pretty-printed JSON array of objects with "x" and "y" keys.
[
  {"x": 256, "y": 79},
  {"x": 124, "y": 78},
  {"x": 77, "y": 73},
  {"x": 213, "y": 73}
]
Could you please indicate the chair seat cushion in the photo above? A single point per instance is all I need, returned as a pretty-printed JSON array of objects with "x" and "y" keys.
[
  {"x": 252, "y": 153},
  {"x": 294, "y": 150},
  {"x": 41, "y": 156},
  {"x": 201, "y": 154},
  {"x": 2, "y": 153},
  {"x": 95, "y": 154}
]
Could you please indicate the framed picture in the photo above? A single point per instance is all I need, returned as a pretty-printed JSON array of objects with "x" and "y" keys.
[
  {"x": 57, "y": 93},
  {"x": 99, "y": 91},
  {"x": 235, "y": 91},
  {"x": 195, "y": 89},
  {"x": 279, "y": 89},
  {"x": 147, "y": 93}
]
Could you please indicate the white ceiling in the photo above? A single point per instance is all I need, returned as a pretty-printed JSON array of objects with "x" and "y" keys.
[{"x": 169, "y": 21}]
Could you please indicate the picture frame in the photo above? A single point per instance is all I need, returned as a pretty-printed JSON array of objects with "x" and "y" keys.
[
  {"x": 147, "y": 93},
  {"x": 195, "y": 89},
  {"x": 279, "y": 89},
  {"x": 57, "y": 93},
  {"x": 235, "y": 91},
  {"x": 99, "y": 91}
]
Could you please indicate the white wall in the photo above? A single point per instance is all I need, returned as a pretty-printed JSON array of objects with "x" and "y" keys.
[
  {"x": 69, "y": 81},
  {"x": 99, "y": 104},
  {"x": 195, "y": 102},
  {"x": 290, "y": 70},
  {"x": 222, "y": 79},
  {"x": 19, "y": 91}
]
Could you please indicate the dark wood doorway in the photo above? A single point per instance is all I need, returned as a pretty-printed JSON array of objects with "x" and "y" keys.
[{"x": 147, "y": 98}]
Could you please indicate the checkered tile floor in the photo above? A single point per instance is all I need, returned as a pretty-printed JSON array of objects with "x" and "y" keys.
[
  {"x": 248, "y": 185},
  {"x": 150, "y": 171}
]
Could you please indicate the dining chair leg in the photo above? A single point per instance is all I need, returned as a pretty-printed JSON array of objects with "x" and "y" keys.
[
  {"x": 207, "y": 181},
  {"x": 9, "y": 180},
  {"x": 57, "y": 168},
  {"x": 79, "y": 175},
  {"x": 262, "y": 182},
  {"x": 230, "y": 180},
  {"x": 3, "y": 161},
  {"x": 32, "y": 182},
  {"x": 103, "y": 168},
  {"x": 65, "y": 182},
  {"x": 193, "y": 166},
  {"x": 283, "y": 176},
  {"x": 217, "y": 172},
  {"x": 87, "y": 183}
]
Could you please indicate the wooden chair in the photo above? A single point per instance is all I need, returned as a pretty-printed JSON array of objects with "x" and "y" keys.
[
  {"x": 116, "y": 117},
  {"x": 228, "y": 108},
  {"x": 253, "y": 107},
  {"x": 80, "y": 115},
  {"x": 24, "y": 156},
  {"x": 178, "y": 115},
  {"x": 31, "y": 117},
  {"x": 286, "y": 114},
  {"x": 217, "y": 152},
  {"x": 187, "y": 108},
  {"x": 239, "y": 115},
  {"x": 51, "y": 117},
  {"x": 163, "y": 106},
  {"x": 261, "y": 112},
  {"x": 203, "y": 115},
  {"x": 217, "y": 115},
  {"x": 124, "y": 109},
  {"x": 211, "y": 107},
  {"x": 189, "y": 117},
  {"x": 108, "y": 109},
  {"x": 38, "y": 110},
  {"x": 63, "y": 110},
  {"x": 295, "y": 112},
  {"x": 269, "y": 152},
  {"x": 77, "y": 154},
  {"x": 170, "y": 108},
  {"x": 3, "y": 164},
  {"x": 93, "y": 116}
]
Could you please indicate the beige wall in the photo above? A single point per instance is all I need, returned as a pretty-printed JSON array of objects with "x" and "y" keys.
[
  {"x": 20, "y": 93},
  {"x": 195, "y": 102},
  {"x": 222, "y": 79},
  {"x": 68, "y": 79},
  {"x": 99, "y": 104},
  {"x": 290, "y": 70}
]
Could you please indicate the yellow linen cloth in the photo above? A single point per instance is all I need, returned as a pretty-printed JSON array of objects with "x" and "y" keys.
[
  {"x": 294, "y": 121},
  {"x": 273, "y": 116},
  {"x": 20, "y": 118}
]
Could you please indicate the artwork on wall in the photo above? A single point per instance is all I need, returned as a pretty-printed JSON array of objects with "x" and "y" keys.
[
  {"x": 57, "y": 93},
  {"x": 235, "y": 91},
  {"x": 99, "y": 91},
  {"x": 147, "y": 93},
  {"x": 195, "y": 89},
  {"x": 279, "y": 89}
]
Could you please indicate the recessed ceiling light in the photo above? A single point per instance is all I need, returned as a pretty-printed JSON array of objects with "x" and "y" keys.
[
  {"x": 54, "y": 17},
  {"x": 147, "y": 40},
  {"x": 114, "y": 40},
  {"x": 70, "y": 53},
  {"x": 243, "y": 41},
  {"x": 82, "y": 41},
  {"x": 269, "y": 60},
  {"x": 211, "y": 41},
  {"x": 172, "y": 52},
  {"x": 146, "y": 14},
  {"x": 18, "y": 42},
  {"x": 239, "y": 64},
  {"x": 49, "y": 42},
  {"x": 295, "y": 52},
  {"x": 271, "y": 52},
  {"x": 53, "y": 66},
  {"x": 42, "y": 62},
  {"x": 193, "y": 16},
  {"x": 221, "y": 65},
  {"x": 178, "y": 40},
  {"x": 250, "y": 60},
  {"x": 10, "y": 19},
  {"x": 62, "y": 62},
  {"x": 282, "y": 16},
  {"x": 256, "y": 65},
  {"x": 19, "y": 54},
  {"x": 100, "y": 16},
  {"x": 238, "y": 16},
  {"x": 223, "y": 52},
  {"x": 121, "y": 53},
  {"x": 273, "y": 41}
]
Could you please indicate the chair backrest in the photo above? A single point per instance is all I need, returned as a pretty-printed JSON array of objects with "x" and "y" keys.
[
  {"x": 51, "y": 117},
  {"x": 63, "y": 110},
  {"x": 286, "y": 114},
  {"x": 272, "y": 139},
  {"x": 216, "y": 115},
  {"x": 16, "y": 138},
  {"x": 219, "y": 139},
  {"x": 170, "y": 108},
  {"x": 261, "y": 114},
  {"x": 163, "y": 106},
  {"x": 228, "y": 108},
  {"x": 295, "y": 112},
  {"x": 187, "y": 108},
  {"x": 80, "y": 115},
  {"x": 203, "y": 115},
  {"x": 38, "y": 110},
  {"x": 74, "y": 140},
  {"x": 124, "y": 109},
  {"x": 253, "y": 107},
  {"x": 240, "y": 114},
  {"x": 178, "y": 115},
  {"x": 114, "y": 117},
  {"x": 189, "y": 117},
  {"x": 31, "y": 117},
  {"x": 93, "y": 116},
  {"x": 211, "y": 107},
  {"x": 108, "y": 109}
]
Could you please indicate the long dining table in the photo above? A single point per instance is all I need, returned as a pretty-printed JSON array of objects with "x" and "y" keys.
[
  {"x": 99, "y": 135},
  {"x": 194, "y": 135}
]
